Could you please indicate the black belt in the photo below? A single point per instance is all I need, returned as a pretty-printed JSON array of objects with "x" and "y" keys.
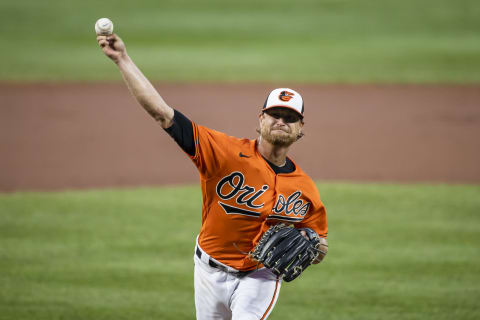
[{"x": 213, "y": 264}]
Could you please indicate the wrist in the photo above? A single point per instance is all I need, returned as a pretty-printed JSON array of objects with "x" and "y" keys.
[{"x": 123, "y": 59}]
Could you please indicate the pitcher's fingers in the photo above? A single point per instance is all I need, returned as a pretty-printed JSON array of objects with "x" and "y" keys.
[
  {"x": 304, "y": 234},
  {"x": 112, "y": 36},
  {"x": 108, "y": 51},
  {"x": 103, "y": 43}
]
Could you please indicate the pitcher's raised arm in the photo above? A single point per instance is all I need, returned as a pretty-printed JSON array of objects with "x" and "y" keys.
[{"x": 137, "y": 83}]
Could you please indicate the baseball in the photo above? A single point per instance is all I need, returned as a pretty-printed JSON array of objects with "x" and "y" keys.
[{"x": 104, "y": 27}]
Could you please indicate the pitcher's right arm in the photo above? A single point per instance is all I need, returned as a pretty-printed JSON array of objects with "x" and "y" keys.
[{"x": 137, "y": 83}]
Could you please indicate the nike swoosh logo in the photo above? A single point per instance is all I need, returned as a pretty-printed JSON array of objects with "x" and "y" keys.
[{"x": 243, "y": 155}]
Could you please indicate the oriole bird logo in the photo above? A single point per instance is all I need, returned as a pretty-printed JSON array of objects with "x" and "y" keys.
[{"x": 286, "y": 95}]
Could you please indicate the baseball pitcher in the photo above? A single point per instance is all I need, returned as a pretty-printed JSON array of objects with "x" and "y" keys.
[{"x": 262, "y": 218}]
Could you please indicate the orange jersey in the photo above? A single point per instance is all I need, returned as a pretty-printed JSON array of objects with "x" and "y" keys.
[{"x": 242, "y": 197}]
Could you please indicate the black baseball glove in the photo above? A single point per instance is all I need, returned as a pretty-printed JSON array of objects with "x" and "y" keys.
[{"x": 285, "y": 250}]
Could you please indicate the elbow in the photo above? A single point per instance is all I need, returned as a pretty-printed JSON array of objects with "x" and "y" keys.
[
  {"x": 160, "y": 117},
  {"x": 155, "y": 114}
]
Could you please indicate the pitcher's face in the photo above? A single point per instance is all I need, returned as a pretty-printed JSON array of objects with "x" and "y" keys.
[{"x": 280, "y": 126}]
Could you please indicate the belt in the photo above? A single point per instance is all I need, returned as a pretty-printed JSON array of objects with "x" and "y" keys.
[{"x": 213, "y": 264}]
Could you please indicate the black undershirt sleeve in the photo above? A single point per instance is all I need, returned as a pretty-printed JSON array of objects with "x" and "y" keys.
[{"x": 182, "y": 132}]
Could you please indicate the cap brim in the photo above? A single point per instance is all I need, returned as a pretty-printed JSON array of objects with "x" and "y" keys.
[{"x": 284, "y": 106}]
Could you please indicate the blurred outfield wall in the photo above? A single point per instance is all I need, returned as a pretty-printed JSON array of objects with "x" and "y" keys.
[{"x": 306, "y": 41}]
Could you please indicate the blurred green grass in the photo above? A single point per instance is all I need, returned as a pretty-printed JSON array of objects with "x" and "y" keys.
[
  {"x": 396, "y": 252},
  {"x": 307, "y": 41}
]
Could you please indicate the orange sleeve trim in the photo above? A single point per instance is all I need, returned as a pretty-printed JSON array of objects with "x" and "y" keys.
[{"x": 271, "y": 302}]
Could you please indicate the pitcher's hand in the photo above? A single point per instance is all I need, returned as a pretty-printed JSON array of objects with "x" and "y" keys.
[{"x": 113, "y": 47}]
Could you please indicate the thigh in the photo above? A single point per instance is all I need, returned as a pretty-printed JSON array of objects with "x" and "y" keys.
[
  {"x": 211, "y": 295},
  {"x": 255, "y": 296}
]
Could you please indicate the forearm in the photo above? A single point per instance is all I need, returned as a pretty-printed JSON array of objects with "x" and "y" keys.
[{"x": 144, "y": 92}]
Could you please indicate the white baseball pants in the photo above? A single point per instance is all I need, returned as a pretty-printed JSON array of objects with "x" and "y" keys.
[{"x": 223, "y": 295}]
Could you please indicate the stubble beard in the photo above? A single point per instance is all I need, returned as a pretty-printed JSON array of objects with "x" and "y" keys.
[{"x": 280, "y": 140}]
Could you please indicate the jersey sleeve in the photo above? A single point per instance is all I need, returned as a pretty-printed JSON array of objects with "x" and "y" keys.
[
  {"x": 316, "y": 218},
  {"x": 207, "y": 148},
  {"x": 211, "y": 150}
]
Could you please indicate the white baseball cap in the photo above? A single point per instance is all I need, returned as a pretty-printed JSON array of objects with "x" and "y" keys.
[{"x": 285, "y": 98}]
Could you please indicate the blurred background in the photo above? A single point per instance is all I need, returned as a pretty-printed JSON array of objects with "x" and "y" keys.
[{"x": 99, "y": 208}]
